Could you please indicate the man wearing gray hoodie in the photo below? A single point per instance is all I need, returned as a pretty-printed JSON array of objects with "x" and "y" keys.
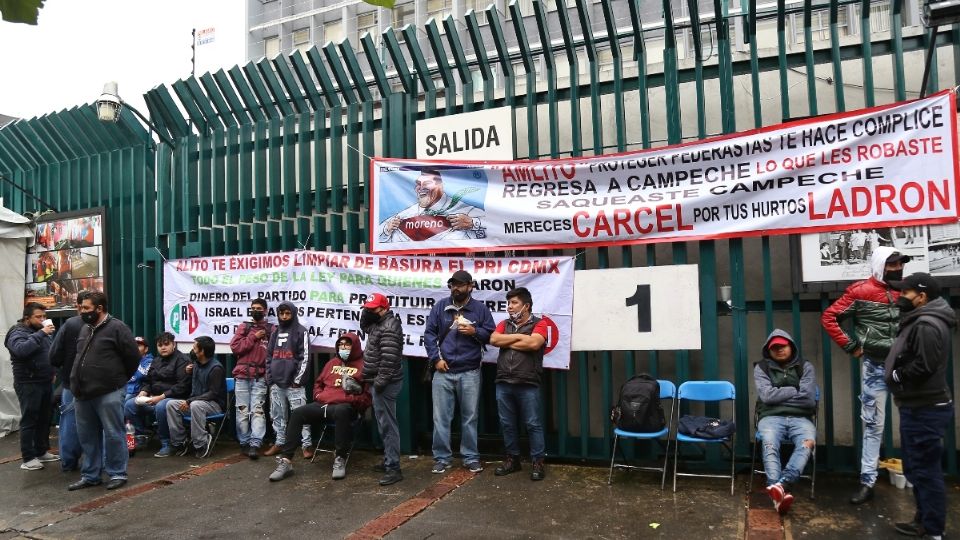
[
  {"x": 288, "y": 360},
  {"x": 916, "y": 373},
  {"x": 786, "y": 403},
  {"x": 871, "y": 306}
]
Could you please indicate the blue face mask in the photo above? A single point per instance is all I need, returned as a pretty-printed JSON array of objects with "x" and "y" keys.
[{"x": 344, "y": 354}]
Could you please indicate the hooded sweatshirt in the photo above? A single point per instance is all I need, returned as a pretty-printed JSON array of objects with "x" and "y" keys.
[
  {"x": 920, "y": 356},
  {"x": 328, "y": 388},
  {"x": 784, "y": 389},
  {"x": 872, "y": 305},
  {"x": 287, "y": 355},
  {"x": 251, "y": 351}
]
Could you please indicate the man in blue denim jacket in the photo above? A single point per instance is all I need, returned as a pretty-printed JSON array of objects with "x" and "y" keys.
[{"x": 458, "y": 329}]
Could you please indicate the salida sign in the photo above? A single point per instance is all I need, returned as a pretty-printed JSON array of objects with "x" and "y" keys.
[
  {"x": 883, "y": 166},
  {"x": 480, "y": 135}
]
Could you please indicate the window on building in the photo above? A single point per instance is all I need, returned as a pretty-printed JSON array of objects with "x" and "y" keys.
[
  {"x": 301, "y": 40},
  {"x": 439, "y": 9},
  {"x": 271, "y": 46},
  {"x": 333, "y": 31},
  {"x": 403, "y": 14},
  {"x": 367, "y": 23},
  {"x": 479, "y": 7}
]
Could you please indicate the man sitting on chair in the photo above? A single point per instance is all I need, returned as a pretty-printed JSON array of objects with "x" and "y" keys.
[
  {"x": 337, "y": 395},
  {"x": 207, "y": 397},
  {"x": 786, "y": 404}
]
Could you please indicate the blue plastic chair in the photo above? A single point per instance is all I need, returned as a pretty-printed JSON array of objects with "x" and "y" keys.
[
  {"x": 220, "y": 418},
  {"x": 668, "y": 390},
  {"x": 813, "y": 454},
  {"x": 706, "y": 391}
]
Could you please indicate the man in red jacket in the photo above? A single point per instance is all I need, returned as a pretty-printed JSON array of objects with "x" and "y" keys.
[
  {"x": 872, "y": 306},
  {"x": 249, "y": 346},
  {"x": 334, "y": 398}
]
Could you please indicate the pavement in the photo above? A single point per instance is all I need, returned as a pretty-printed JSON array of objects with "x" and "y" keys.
[{"x": 229, "y": 496}]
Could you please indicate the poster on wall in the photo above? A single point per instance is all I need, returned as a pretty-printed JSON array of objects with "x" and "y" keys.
[
  {"x": 887, "y": 166},
  {"x": 211, "y": 295},
  {"x": 845, "y": 255},
  {"x": 66, "y": 258}
]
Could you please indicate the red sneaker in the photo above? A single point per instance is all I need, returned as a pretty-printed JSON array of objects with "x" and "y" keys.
[
  {"x": 776, "y": 493},
  {"x": 785, "y": 504}
]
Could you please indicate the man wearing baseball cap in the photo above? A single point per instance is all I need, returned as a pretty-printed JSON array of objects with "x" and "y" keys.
[
  {"x": 457, "y": 331},
  {"x": 916, "y": 374},
  {"x": 383, "y": 370},
  {"x": 871, "y": 305},
  {"x": 786, "y": 402}
]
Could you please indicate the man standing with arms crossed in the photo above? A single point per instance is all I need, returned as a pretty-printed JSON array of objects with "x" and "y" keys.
[
  {"x": 457, "y": 330},
  {"x": 916, "y": 373},
  {"x": 872, "y": 305}
]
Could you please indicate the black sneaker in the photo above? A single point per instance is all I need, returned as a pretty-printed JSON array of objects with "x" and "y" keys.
[
  {"x": 179, "y": 449},
  {"x": 391, "y": 477},
  {"x": 538, "y": 472},
  {"x": 253, "y": 452},
  {"x": 909, "y": 529},
  {"x": 510, "y": 465}
]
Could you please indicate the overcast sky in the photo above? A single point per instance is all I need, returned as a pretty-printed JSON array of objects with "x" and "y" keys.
[{"x": 79, "y": 45}]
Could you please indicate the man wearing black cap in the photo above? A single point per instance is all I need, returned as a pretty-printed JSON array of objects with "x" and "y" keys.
[
  {"x": 916, "y": 373},
  {"x": 457, "y": 331},
  {"x": 872, "y": 305}
]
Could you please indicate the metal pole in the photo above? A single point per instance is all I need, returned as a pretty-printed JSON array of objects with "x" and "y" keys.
[
  {"x": 926, "y": 67},
  {"x": 163, "y": 138}
]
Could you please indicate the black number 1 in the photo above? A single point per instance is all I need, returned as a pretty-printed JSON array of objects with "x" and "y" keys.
[{"x": 641, "y": 299}]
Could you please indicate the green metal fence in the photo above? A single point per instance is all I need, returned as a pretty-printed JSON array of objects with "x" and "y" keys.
[{"x": 274, "y": 155}]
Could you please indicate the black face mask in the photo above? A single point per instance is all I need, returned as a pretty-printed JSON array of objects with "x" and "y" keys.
[
  {"x": 368, "y": 317},
  {"x": 905, "y": 304},
  {"x": 89, "y": 317},
  {"x": 257, "y": 315},
  {"x": 460, "y": 296},
  {"x": 892, "y": 275},
  {"x": 193, "y": 356}
]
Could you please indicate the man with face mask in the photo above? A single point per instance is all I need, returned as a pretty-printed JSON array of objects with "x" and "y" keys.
[
  {"x": 521, "y": 338},
  {"x": 208, "y": 396},
  {"x": 287, "y": 363},
  {"x": 457, "y": 331},
  {"x": 871, "y": 305},
  {"x": 62, "y": 354},
  {"x": 107, "y": 358},
  {"x": 382, "y": 369},
  {"x": 916, "y": 373},
  {"x": 249, "y": 346}
]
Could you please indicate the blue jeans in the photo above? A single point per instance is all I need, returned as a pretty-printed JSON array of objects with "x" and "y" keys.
[
  {"x": 775, "y": 429},
  {"x": 385, "y": 411},
  {"x": 282, "y": 401},
  {"x": 69, "y": 441},
  {"x": 921, "y": 441},
  {"x": 518, "y": 403},
  {"x": 137, "y": 415},
  {"x": 873, "y": 403},
  {"x": 102, "y": 437},
  {"x": 448, "y": 390},
  {"x": 251, "y": 395}
]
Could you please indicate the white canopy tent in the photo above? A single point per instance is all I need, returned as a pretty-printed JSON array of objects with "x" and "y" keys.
[{"x": 16, "y": 233}]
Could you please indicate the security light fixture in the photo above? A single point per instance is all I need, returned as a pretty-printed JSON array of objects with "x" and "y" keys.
[
  {"x": 108, "y": 110},
  {"x": 941, "y": 13}
]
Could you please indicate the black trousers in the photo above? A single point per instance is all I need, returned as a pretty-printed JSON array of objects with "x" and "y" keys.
[
  {"x": 343, "y": 414},
  {"x": 36, "y": 410}
]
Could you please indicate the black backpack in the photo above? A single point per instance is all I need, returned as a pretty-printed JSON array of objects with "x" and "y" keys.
[{"x": 639, "y": 407}]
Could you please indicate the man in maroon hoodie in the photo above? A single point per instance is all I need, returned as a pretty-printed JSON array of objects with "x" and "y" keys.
[
  {"x": 249, "y": 346},
  {"x": 333, "y": 399}
]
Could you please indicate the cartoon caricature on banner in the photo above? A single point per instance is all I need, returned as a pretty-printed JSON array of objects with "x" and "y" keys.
[
  {"x": 889, "y": 165},
  {"x": 211, "y": 295}
]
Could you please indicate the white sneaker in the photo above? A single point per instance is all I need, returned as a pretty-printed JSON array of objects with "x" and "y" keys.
[
  {"x": 32, "y": 465},
  {"x": 48, "y": 457},
  {"x": 339, "y": 468}
]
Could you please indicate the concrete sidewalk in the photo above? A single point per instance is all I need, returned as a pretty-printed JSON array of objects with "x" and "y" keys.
[{"x": 228, "y": 496}]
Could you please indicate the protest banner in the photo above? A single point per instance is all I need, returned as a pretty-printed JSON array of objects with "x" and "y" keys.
[
  {"x": 211, "y": 295},
  {"x": 884, "y": 166}
]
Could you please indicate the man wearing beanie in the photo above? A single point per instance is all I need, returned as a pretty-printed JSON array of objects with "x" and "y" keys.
[{"x": 916, "y": 374}]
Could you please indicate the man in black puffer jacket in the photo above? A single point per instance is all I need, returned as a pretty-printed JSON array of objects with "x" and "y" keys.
[
  {"x": 916, "y": 374},
  {"x": 29, "y": 344},
  {"x": 382, "y": 369}
]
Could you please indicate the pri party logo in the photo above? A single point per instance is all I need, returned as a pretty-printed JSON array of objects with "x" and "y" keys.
[{"x": 184, "y": 313}]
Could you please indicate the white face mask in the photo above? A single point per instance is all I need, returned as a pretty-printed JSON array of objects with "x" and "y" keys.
[
  {"x": 344, "y": 354},
  {"x": 518, "y": 316}
]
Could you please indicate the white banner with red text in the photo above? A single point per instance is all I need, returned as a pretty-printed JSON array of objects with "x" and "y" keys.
[
  {"x": 889, "y": 165},
  {"x": 211, "y": 295}
]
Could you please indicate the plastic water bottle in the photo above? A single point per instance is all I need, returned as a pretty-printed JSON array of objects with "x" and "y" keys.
[{"x": 131, "y": 438}]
